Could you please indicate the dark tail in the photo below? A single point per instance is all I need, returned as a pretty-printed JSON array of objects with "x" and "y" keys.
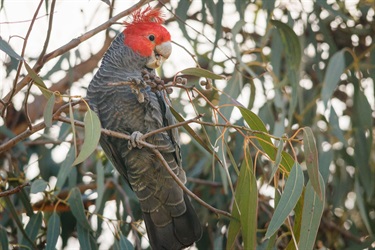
[{"x": 182, "y": 232}]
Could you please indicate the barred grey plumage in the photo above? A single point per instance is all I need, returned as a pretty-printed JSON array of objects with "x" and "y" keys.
[{"x": 170, "y": 219}]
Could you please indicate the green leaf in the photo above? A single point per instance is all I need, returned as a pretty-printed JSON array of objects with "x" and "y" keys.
[
  {"x": 260, "y": 131},
  {"x": 288, "y": 200},
  {"x": 32, "y": 229},
  {"x": 311, "y": 216},
  {"x": 76, "y": 206},
  {"x": 194, "y": 135},
  {"x": 125, "y": 244},
  {"x": 245, "y": 214},
  {"x": 335, "y": 68},
  {"x": 85, "y": 238},
  {"x": 335, "y": 128},
  {"x": 291, "y": 43},
  {"x": 48, "y": 111},
  {"x": 38, "y": 185},
  {"x": 4, "y": 46},
  {"x": 311, "y": 157},
  {"x": 4, "y": 243},
  {"x": 38, "y": 81},
  {"x": 92, "y": 136},
  {"x": 201, "y": 73},
  {"x": 65, "y": 169},
  {"x": 100, "y": 185},
  {"x": 361, "y": 204},
  {"x": 53, "y": 231},
  {"x": 277, "y": 161}
]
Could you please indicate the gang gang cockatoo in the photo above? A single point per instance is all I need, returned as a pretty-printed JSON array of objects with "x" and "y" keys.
[{"x": 170, "y": 219}]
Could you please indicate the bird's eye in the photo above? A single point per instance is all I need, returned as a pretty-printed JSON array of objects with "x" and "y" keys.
[{"x": 151, "y": 38}]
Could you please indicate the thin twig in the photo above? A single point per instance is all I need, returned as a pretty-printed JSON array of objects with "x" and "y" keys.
[
  {"x": 14, "y": 190},
  {"x": 204, "y": 182},
  {"x": 186, "y": 190},
  {"x": 70, "y": 45},
  {"x": 178, "y": 124},
  {"x": 49, "y": 31},
  {"x": 14, "y": 89}
]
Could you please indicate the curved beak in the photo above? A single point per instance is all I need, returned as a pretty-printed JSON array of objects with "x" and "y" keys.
[{"x": 159, "y": 55}]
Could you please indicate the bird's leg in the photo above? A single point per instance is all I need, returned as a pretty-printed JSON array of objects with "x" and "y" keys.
[
  {"x": 135, "y": 138},
  {"x": 136, "y": 88}
]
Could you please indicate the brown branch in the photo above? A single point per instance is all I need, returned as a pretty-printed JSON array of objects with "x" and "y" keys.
[
  {"x": 178, "y": 124},
  {"x": 25, "y": 134},
  {"x": 14, "y": 190},
  {"x": 155, "y": 150},
  {"x": 49, "y": 31},
  {"x": 186, "y": 190},
  {"x": 13, "y": 91},
  {"x": 72, "y": 44},
  {"x": 204, "y": 182}
]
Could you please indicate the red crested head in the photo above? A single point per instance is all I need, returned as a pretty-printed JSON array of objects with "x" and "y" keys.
[{"x": 144, "y": 33}]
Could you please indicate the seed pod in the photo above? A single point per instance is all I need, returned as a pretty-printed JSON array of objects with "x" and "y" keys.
[
  {"x": 203, "y": 83},
  {"x": 184, "y": 81},
  {"x": 152, "y": 84},
  {"x": 169, "y": 90},
  {"x": 146, "y": 77},
  {"x": 157, "y": 79},
  {"x": 179, "y": 80}
]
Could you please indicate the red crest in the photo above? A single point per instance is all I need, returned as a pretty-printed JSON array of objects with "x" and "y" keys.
[{"x": 148, "y": 15}]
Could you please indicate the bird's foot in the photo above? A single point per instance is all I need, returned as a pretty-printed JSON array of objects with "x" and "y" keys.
[
  {"x": 135, "y": 139},
  {"x": 136, "y": 87}
]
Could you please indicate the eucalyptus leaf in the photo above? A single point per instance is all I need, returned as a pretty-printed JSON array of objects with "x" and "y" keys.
[
  {"x": 289, "y": 198},
  {"x": 48, "y": 111},
  {"x": 4, "y": 46},
  {"x": 38, "y": 185},
  {"x": 311, "y": 157},
  {"x": 53, "y": 231},
  {"x": 201, "y": 73},
  {"x": 76, "y": 206},
  {"x": 312, "y": 214},
  {"x": 92, "y": 136}
]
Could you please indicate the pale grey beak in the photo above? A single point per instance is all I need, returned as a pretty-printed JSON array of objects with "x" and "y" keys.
[{"x": 159, "y": 55}]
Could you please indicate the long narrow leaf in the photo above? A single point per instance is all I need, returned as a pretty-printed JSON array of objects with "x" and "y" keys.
[
  {"x": 195, "y": 135},
  {"x": 312, "y": 213},
  {"x": 53, "y": 231},
  {"x": 38, "y": 81},
  {"x": 85, "y": 238},
  {"x": 65, "y": 169},
  {"x": 32, "y": 229},
  {"x": 76, "y": 206},
  {"x": 92, "y": 136},
  {"x": 38, "y": 185},
  {"x": 335, "y": 69},
  {"x": 201, "y": 73},
  {"x": 289, "y": 198},
  {"x": 311, "y": 156},
  {"x": 4, "y": 46},
  {"x": 245, "y": 214},
  {"x": 265, "y": 141},
  {"x": 48, "y": 111},
  {"x": 4, "y": 243}
]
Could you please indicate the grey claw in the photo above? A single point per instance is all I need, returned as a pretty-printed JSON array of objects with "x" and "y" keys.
[{"x": 135, "y": 139}]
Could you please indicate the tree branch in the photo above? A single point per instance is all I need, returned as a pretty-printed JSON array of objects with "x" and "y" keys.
[{"x": 72, "y": 44}]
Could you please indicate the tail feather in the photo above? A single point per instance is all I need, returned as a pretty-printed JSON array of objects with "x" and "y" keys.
[{"x": 182, "y": 232}]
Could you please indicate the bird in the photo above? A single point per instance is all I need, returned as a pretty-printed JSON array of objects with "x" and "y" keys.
[{"x": 170, "y": 219}]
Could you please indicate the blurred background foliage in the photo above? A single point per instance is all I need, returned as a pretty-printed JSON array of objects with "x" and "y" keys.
[{"x": 295, "y": 64}]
